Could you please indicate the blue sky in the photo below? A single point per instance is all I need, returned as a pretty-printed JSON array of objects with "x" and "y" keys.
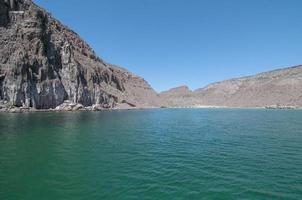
[{"x": 187, "y": 42}]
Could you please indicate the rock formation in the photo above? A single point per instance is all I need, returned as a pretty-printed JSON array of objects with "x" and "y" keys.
[
  {"x": 43, "y": 64},
  {"x": 278, "y": 88},
  {"x": 10, "y": 4}
]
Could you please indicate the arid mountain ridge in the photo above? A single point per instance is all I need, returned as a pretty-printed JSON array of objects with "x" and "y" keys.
[
  {"x": 45, "y": 65},
  {"x": 281, "y": 87}
]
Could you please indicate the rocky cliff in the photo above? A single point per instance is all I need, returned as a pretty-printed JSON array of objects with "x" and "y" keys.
[
  {"x": 44, "y": 64},
  {"x": 281, "y": 87}
]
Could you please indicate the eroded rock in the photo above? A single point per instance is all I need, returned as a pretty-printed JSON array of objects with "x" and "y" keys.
[{"x": 43, "y": 63}]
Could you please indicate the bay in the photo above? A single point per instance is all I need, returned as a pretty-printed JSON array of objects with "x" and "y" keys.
[{"x": 152, "y": 154}]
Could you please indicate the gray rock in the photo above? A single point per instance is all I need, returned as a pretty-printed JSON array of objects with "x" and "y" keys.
[
  {"x": 97, "y": 107},
  {"x": 78, "y": 107},
  {"x": 15, "y": 110},
  {"x": 43, "y": 64}
]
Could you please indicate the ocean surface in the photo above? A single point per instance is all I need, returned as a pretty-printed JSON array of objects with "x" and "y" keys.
[{"x": 174, "y": 154}]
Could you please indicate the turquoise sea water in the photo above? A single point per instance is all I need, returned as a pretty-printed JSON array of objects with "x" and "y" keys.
[{"x": 152, "y": 154}]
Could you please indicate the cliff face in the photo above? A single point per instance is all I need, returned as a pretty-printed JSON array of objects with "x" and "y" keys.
[
  {"x": 43, "y": 63},
  {"x": 279, "y": 87}
]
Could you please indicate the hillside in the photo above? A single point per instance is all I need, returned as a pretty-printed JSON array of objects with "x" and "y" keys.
[
  {"x": 44, "y": 64},
  {"x": 279, "y": 87}
]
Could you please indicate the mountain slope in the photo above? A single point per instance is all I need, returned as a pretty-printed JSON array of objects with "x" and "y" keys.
[
  {"x": 178, "y": 97},
  {"x": 279, "y": 87},
  {"x": 43, "y": 64}
]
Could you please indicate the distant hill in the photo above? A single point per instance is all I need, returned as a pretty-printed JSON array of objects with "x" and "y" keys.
[
  {"x": 178, "y": 97},
  {"x": 279, "y": 87}
]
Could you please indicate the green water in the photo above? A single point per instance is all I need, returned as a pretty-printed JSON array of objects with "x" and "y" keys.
[{"x": 152, "y": 154}]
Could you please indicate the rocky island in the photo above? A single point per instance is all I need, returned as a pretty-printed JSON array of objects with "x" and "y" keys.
[{"x": 46, "y": 66}]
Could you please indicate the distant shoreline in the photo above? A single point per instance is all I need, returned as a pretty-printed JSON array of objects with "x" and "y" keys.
[
  {"x": 89, "y": 109},
  {"x": 239, "y": 107}
]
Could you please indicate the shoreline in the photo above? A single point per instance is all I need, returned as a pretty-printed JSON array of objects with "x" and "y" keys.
[{"x": 90, "y": 109}]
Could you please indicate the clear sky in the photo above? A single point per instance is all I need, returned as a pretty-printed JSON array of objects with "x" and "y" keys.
[{"x": 187, "y": 42}]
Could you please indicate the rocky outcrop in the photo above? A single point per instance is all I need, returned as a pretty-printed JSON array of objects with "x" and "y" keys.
[
  {"x": 43, "y": 64},
  {"x": 281, "y": 87}
]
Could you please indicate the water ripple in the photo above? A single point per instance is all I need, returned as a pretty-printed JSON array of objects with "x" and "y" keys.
[{"x": 152, "y": 154}]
